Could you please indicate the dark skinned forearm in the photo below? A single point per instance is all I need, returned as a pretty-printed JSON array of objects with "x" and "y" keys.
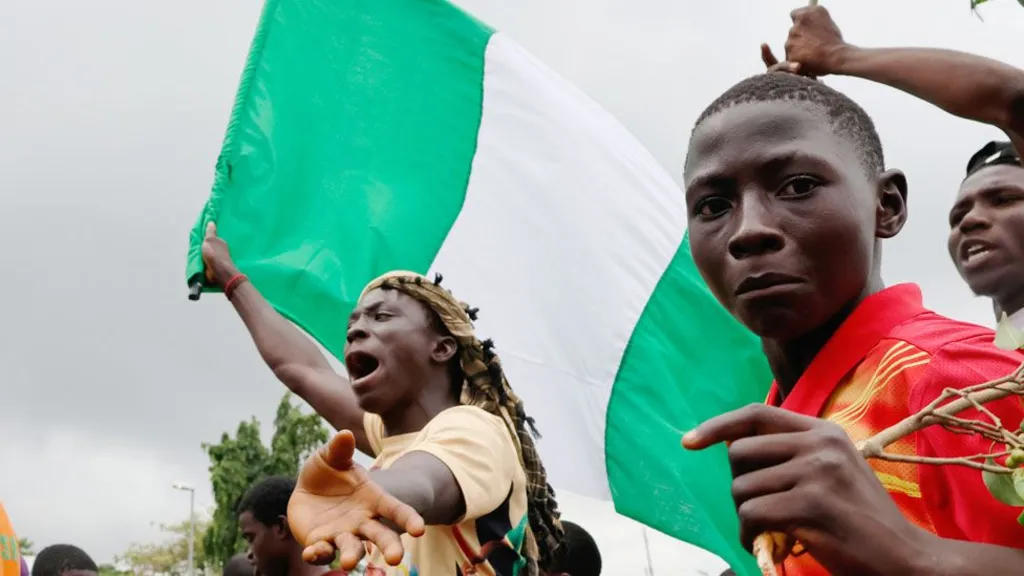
[
  {"x": 424, "y": 482},
  {"x": 279, "y": 342},
  {"x": 299, "y": 364},
  {"x": 957, "y": 558},
  {"x": 965, "y": 85}
]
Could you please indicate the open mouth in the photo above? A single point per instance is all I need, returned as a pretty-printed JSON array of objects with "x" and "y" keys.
[
  {"x": 972, "y": 250},
  {"x": 360, "y": 365}
]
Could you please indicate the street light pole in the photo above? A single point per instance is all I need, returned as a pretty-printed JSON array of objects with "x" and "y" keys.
[{"x": 191, "y": 524}]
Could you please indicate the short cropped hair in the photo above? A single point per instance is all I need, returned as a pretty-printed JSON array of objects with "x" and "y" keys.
[
  {"x": 845, "y": 116},
  {"x": 267, "y": 500},
  {"x": 60, "y": 558}
]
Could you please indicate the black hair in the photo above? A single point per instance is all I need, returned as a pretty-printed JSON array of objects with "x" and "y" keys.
[
  {"x": 60, "y": 558},
  {"x": 267, "y": 500},
  {"x": 844, "y": 115},
  {"x": 579, "y": 554}
]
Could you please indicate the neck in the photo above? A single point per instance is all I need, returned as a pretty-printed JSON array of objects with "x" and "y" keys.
[
  {"x": 1012, "y": 303},
  {"x": 789, "y": 360},
  {"x": 434, "y": 397}
]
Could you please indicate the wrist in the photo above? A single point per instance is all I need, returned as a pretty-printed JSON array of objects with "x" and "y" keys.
[
  {"x": 928, "y": 556},
  {"x": 839, "y": 59},
  {"x": 224, "y": 273}
]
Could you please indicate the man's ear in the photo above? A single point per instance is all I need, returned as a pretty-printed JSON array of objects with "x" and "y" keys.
[
  {"x": 892, "y": 204},
  {"x": 284, "y": 532},
  {"x": 444, "y": 349}
]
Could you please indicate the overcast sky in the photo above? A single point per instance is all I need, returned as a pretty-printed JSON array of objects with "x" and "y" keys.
[{"x": 111, "y": 118}]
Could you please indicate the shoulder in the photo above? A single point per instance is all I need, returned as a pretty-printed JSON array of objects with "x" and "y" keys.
[
  {"x": 933, "y": 332},
  {"x": 467, "y": 418},
  {"x": 959, "y": 354}
]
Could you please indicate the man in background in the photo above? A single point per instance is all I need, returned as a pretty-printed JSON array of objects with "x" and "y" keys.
[
  {"x": 986, "y": 237},
  {"x": 239, "y": 565},
  {"x": 578, "y": 555},
  {"x": 262, "y": 518},
  {"x": 63, "y": 560}
]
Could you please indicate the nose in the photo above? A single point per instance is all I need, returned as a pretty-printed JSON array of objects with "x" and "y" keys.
[
  {"x": 756, "y": 233},
  {"x": 976, "y": 219},
  {"x": 356, "y": 331}
]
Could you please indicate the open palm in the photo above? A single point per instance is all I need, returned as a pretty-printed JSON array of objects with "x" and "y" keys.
[{"x": 335, "y": 507}]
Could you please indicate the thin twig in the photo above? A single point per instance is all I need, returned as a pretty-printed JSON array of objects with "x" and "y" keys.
[
  {"x": 936, "y": 410},
  {"x": 967, "y": 461}
]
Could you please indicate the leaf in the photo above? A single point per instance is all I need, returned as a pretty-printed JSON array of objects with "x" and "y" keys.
[
  {"x": 1020, "y": 519},
  {"x": 1008, "y": 336},
  {"x": 1002, "y": 487},
  {"x": 1018, "y": 482}
]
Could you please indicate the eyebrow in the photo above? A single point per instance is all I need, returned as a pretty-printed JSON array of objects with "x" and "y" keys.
[
  {"x": 359, "y": 311},
  {"x": 768, "y": 164}
]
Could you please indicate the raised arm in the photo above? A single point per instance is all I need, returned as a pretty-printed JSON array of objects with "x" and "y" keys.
[
  {"x": 295, "y": 359},
  {"x": 965, "y": 85}
]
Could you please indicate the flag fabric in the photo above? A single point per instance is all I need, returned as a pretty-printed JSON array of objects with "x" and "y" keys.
[{"x": 372, "y": 135}]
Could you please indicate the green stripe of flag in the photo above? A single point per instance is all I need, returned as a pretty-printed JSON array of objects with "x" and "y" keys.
[
  {"x": 390, "y": 152},
  {"x": 658, "y": 396}
]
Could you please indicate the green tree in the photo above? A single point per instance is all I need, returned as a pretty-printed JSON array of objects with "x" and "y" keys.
[
  {"x": 26, "y": 547},
  {"x": 169, "y": 556},
  {"x": 237, "y": 462},
  {"x": 111, "y": 570}
]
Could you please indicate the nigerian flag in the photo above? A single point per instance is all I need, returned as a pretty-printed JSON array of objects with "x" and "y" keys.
[{"x": 371, "y": 135}]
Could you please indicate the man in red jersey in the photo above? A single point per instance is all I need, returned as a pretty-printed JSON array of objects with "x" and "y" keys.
[{"x": 788, "y": 201}]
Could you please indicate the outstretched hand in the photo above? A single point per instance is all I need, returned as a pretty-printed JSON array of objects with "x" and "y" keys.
[
  {"x": 336, "y": 507},
  {"x": 802, "y": 476}
]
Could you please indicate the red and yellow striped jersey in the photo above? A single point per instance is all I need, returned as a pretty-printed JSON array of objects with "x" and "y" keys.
[{"x": 888, "y": 360}]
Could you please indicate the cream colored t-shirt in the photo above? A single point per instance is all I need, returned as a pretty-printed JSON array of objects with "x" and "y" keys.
[{"x": 477, "y": 448}]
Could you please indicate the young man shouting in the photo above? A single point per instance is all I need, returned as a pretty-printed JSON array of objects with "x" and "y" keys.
[{"x": 455, "y": 462}]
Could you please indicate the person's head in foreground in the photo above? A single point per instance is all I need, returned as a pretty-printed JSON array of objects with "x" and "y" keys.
[
  {"x": 238, "y": 565},
  {"x": 411, "y": 350},
  {"x": 578, "y": 555},
  {"x": 63, "y": 560},
  {"x": 262, "y": 520},
  {"x": 788, "y": 199},
  {"x": 986, "y": 236}
]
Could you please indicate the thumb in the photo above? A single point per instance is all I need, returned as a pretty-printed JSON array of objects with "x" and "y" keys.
[
  {"x": 767, "y": 57},
  {"x": 338, "y": 453},
  {"x": 211, "y": 229}
]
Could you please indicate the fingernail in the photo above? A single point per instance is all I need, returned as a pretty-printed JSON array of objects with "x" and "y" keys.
[{"x": 690, "y": 437}]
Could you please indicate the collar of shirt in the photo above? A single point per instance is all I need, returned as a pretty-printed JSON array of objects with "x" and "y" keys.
[{"x": 871, "y": 321}]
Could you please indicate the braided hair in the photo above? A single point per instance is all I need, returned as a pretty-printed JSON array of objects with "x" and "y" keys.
[{"x": 480, "y": 381}]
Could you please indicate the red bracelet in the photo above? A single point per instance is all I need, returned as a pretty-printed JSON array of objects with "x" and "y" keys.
[{"x": 233, "y": 283}]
